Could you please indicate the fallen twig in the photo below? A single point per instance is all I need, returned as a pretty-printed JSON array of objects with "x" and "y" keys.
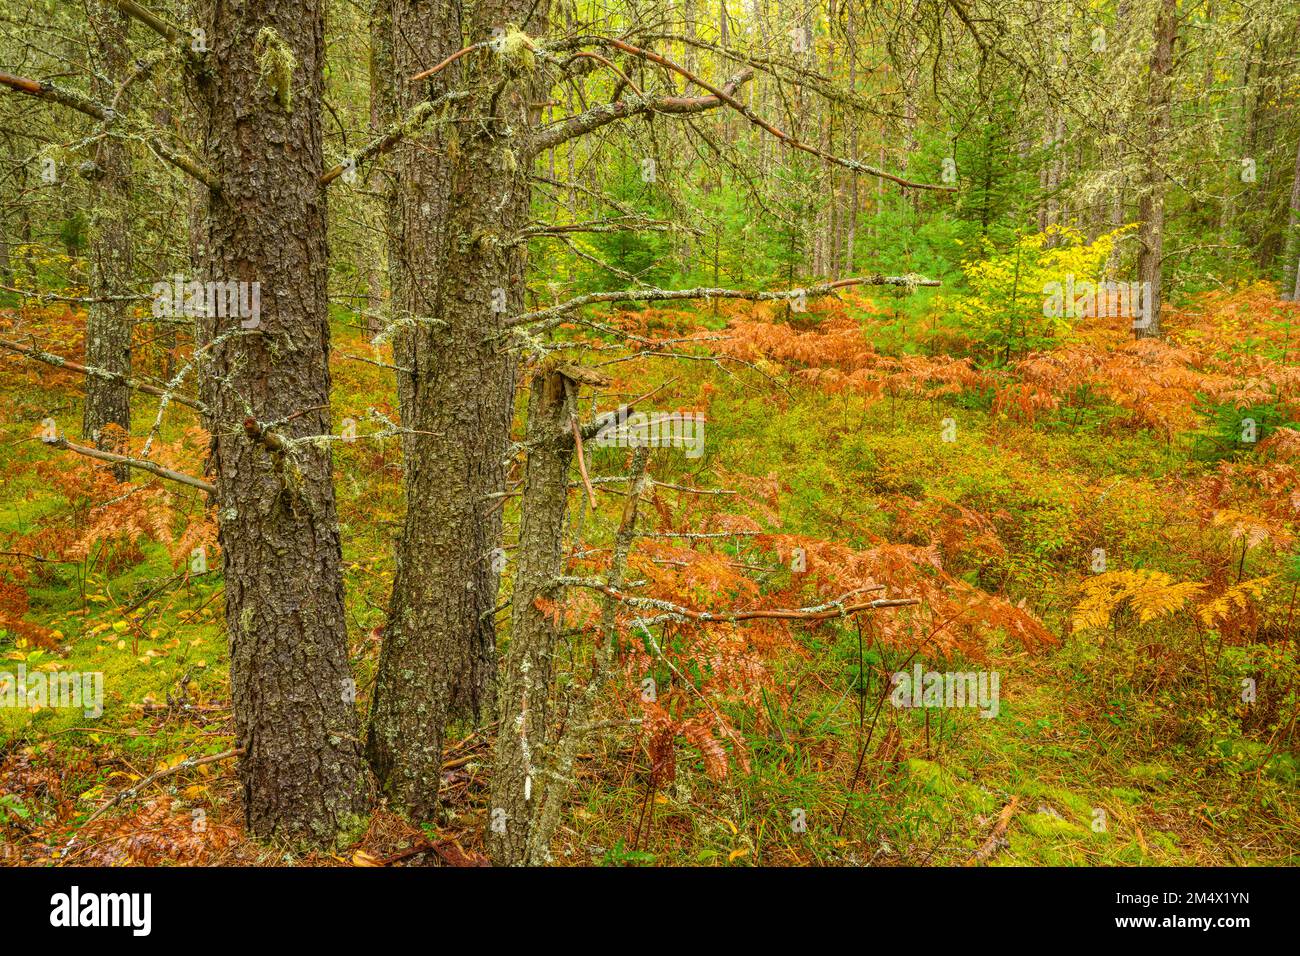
[
  {"x": 991, "y": 845},
  {"x": 131, "y": 791}
]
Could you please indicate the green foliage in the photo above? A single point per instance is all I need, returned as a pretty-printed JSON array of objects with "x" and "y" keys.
[{"x": 1024, "y": 299}]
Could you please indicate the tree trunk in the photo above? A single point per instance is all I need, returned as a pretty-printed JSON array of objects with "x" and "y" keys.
[
  {"x": 383, "y": 113},
  {"x": 525, "y": 693},
  {"x": 302, "y": 771},
  {"x": 851, "y": 213},
  {"x": 1151, "y": 207},
  {"x": 1291, "y": 276},
  {"x": 463, "y": 196},
  {"x": 106, "y": 418},
  {"x": 6, "y": 257}
]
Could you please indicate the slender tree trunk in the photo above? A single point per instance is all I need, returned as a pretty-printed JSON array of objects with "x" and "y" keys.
[
  {"x": 462, "y": 199},
  {"x": 910, "y": 121},
  {"x": 383, "y": 113},
  {"x": 6, "y": 256},
  {"x": 1151, "y": 207},
  {"x": 851, "y": 128},
  {"x": 1119, "y": 122},
  {"x": 106, "y": 418},
  {"x": 1291, "y": 276},
  {"x": 25, "y": 225},
  {"x": 266, "y": 385},
  {"x": 525, "y": 692}
]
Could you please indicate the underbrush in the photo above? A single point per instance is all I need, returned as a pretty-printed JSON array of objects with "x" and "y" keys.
[{"x": 1060, "y": 520}]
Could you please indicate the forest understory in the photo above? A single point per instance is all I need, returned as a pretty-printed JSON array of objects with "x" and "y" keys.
[
  {"x": 623, "y": 433},
  {"x": 822, "y": 440}
]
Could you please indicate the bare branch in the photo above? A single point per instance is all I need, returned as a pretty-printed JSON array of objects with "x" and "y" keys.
[
  {"x": 615, "y": 224},
  {"x": 758, "y": 121},
  {"x": 420, "y": 114},
  {"x": 45, "y": 90},
  {"x": 821, "y": 612},
  {"x": 154, "y": 469},
  {"x": 663, "y": 295},
  {"x": 154, "y": 22},
  {"x": 599, "y": 116},
  {"x": 59, "y": 362}
]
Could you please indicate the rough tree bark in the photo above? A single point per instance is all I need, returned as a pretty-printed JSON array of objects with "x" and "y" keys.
[
  {"x": 1151, "y": 206},
  {"x": 525, "y": 687},
  {"x": 266, "y": 386},
  {"x": 106, "y": 417},
  {"x": 1291, "y": 275},
  {"x": 463, "y": 196}
]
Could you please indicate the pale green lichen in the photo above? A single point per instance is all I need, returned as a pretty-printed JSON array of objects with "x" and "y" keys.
[
  {"x": 276, "y": 62},
  {"x": 516, "y": 48}
]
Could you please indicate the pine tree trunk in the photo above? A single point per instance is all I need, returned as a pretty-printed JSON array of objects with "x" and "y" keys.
[
  {"x": 522, "y": 740},
  {"x": 463, "y": 196},
  {"x": 1291, "y": 276},
  {"x": 302, "y": 771},
  {"x": 106, "y": 417},
  {"x": 1151, "y": 207}
]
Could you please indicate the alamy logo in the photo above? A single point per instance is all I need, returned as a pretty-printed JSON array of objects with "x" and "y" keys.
[
  {"x": 1087, "y": 299},
  {"x": 935, "y": 689},
  {"x": 219, "y": 299},
  {"x": 639, "y": 430},
  {"x": 53, "y": 689},
  {"x": 103, "y": 909}
]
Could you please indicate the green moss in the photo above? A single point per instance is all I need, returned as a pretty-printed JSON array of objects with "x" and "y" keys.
[
  {"x": 1065, "y": 802},
  {"x": 1049, "y": 826},
  {"x": 933, "y": 777},
  {"x": 1150, "y": 774}
]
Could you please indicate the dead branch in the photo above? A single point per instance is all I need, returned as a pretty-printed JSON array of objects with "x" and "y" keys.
[
  {"x": 420, "y": 114},
  {"x": 268, "y": 439},
  {"x": 48, "y": 91},
  {"x": 142, "y": 464},
  {"x": 450, "y": 60},
  {"x": 751, "y": 295},
  {"x": 59, "y": 362},
  {"x": 818, "y": 613},
  {"x": 606, "y": 113},
  {"x": 582, "y": 462},
  {"x": 131, "y": 791},
  {"x": 154, "y": 22},
  {"x": 990, "y": 845},
  {"x": 763, "y": 124}
]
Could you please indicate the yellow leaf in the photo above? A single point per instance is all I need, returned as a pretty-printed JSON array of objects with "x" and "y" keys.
[{"x": 737, "y": 854}]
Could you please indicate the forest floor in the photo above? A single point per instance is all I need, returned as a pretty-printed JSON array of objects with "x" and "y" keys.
[{"x": 1110, "y": 746}]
